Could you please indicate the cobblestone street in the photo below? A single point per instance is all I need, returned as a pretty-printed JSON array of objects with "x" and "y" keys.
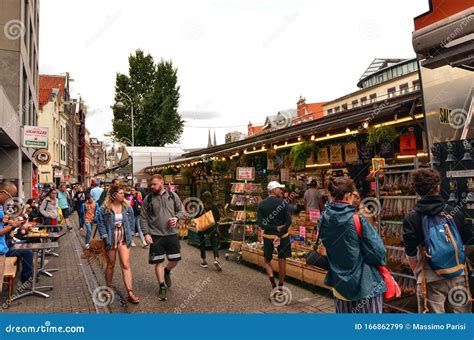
[{"x": 237, "y": 289}]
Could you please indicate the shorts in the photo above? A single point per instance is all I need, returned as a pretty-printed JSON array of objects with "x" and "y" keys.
[
  {"x": 165, "y": 246},
  {"x": 284, "y": 249},
  {"x": 66, "y": 212}
]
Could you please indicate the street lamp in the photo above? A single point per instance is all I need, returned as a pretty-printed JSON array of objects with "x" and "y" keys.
[{"x": 120, "y": 104}]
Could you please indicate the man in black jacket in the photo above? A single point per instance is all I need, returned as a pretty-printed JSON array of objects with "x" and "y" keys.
[{"x": 440, "y": 292}]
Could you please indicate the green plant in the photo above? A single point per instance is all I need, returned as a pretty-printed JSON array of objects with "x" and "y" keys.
[
  {"x": 168, "y": 171},
  {"x": 300, "y": 153},
  {"x": 221, "y": 167},
  {"x": 380, "y": 135}
]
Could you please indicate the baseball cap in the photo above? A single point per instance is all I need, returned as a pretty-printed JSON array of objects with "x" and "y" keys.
[{"x": 273, "y": 185}]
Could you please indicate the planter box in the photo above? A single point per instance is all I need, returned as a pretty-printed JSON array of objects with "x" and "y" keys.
[
  {"x": 294, "y": 268},
  {"x": 314, "y": 276},
  {"x": 250, "y": 256}
]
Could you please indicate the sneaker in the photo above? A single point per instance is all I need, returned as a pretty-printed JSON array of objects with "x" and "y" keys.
[
  {"x": 133, "y": 244},
  {"x": 218, "y": 265},
  {"x": 204, "y": 264},
  {"x": 162, "y": 294},
  {"x": 168, "y": 279}
]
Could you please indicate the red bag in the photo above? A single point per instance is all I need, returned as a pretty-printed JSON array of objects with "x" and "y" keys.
[{"x": 393, "y": 290}]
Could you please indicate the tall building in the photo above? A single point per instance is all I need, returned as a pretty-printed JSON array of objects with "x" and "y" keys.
[{"x": 19, "y": 22}]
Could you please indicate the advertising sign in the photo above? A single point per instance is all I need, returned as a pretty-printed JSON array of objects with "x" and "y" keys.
[
  {"x": 245, "y": 174},
  {"x": 35, "y": 137}
]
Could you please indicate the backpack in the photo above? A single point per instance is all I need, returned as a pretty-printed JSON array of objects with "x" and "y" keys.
[{"x": 443, "y": 245}]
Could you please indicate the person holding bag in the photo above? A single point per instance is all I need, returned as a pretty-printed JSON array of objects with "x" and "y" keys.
[
  {"x": 358, "y": 286},
  {"x": 115, "y": 224},
  {"x": 209, "y": 231},
  {"x": 50, "y": 208}
]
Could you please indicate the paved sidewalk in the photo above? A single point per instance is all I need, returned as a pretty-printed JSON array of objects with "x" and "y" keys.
[{"x": 71, "y": 293}]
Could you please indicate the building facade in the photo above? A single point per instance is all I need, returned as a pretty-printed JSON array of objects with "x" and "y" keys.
[{"x": 19, "y": 22}]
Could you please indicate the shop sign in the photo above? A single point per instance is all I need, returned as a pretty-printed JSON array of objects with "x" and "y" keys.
[
  {"x": 245, "y": 174},
  {"x": 323, "y": 156},
  {"x": 285, "y": 175},
  {"x": 351, "y": 152},
  {"x": 144, "y": 183},
  {"x": 445, "y": 115},
  {"x": 35, "y": 137},
  {"x": 58, "y": 173},
  {"x": 407, "y": 144},
  {"x": 169, "y": 179},
  {"x": 270, "y": 162},
  {"x": 42, "y": 156},
  {"x": 336, "y": 153},
  {"x": 377, "y": 163}
]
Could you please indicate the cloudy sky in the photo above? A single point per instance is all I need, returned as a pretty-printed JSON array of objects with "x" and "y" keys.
[{"x": 238, "y": 61}]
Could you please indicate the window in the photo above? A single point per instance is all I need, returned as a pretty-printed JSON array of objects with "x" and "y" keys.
[
  {"x": 355, "y": 103},
  {"x": 391, "y": 92},
  {"x": 373, "y": 97},
  {"x": 363, "y": 101},
  {"x": 404, "y": 88},
  {"x": 344, "y": 107},
  {"x": 336, "y": 109},
  {"x": 416, "y": 85},
  {"x": 329, "y": 111}
]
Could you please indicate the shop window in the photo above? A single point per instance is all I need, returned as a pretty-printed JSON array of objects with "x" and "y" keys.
[
  {"x": 416, "y": 85},
  {"x": 363, "y": 101},
  {"x": 344, "y": 107},
  {"x": 337, "y": 109},
  {"x": 355, "y": 103},
  {"x": 329, "y": 111},
  {"x": 373, "y": 97}
]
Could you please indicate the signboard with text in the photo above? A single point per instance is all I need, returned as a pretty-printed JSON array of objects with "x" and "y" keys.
[
  {"x": 245, "y": 174},
  {"x": 35, "y": 137}
]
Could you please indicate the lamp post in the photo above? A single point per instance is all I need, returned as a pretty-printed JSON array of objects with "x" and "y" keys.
[{"x": 120, "y": 104}]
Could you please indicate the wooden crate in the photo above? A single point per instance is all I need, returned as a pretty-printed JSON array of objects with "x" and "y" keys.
[
  {"x": 314, "y": 276},
  {"x": 294, "y": 268},
  {"x": 250, "y": 256}
]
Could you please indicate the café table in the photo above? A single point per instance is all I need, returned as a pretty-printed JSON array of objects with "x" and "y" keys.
[
  {"x": 49, "y": 252},
  {"x": 35, "y": 247},
  {"x": 45, "y": 237}
]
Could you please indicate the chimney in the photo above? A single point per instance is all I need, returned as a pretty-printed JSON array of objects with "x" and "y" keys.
[
  {"x": 249, "y": 129},
  {"x": 301, "y": 107}
]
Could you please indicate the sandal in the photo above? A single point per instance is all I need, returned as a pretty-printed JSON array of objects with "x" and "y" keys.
[{"x": 132, "y": 298}]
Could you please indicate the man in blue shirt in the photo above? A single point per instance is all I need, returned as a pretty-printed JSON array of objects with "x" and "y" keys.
[
  {"x": 96, "y": 191},
  {"x": 8, "y": 190},
  {"x": 63, "y": 202}
]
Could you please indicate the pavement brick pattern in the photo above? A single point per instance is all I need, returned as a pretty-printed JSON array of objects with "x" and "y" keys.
[{"x": 237, "y": 289}]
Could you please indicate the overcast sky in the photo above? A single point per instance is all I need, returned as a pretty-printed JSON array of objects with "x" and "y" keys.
[{"x": 238, "y": 61}]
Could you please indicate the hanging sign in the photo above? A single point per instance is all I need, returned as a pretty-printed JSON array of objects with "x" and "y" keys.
[
  {"x": 407, "y": 144},
  {"x": 42, "y": 156},
  {"x": 336, "y": 154},
  {"x": 351, "y": 152},
  {"x": 169, "y": 179},
  {"x": 377, "y": 163},
  {"x": 323, "y": 156},
  {"x": 35, "y": 137},
  {"x": 245, "y": 174}
]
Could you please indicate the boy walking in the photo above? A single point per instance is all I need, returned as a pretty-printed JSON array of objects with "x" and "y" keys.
[{"x": 89, "y": 211}]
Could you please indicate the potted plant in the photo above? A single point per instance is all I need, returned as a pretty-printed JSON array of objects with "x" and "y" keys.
[{"x": 381, "y": 135}]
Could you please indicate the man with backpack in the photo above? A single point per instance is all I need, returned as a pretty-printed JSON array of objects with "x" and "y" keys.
[
  {"x": 159, "y": 217},
  {"x": 435, "y": 236}
]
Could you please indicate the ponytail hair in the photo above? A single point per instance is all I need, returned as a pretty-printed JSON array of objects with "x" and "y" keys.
[{"x": 340, "y": 186}]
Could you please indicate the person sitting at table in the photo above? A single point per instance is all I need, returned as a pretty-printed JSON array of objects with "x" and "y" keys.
[
  {"x": 8, "y": 190},
  {"x": 34, "y": 214},
  {"x": 50, "y": 209}
]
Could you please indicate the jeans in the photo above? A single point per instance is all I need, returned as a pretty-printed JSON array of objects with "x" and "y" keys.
[
  {"x": 26, "y": 262},
  {"x": 138, "y": 228},
  {"x": 212, "y": 234},
  {"x": 88, "y": 231}
]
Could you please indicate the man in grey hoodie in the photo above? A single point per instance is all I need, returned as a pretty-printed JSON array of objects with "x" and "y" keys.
[{"x": 159, "y": 217}]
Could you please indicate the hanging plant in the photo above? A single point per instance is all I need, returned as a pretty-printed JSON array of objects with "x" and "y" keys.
[
  {"x": 300, "y": 153},
  {"x": 169, "y": 171},
  {"x": 222, "y": 167},
  {"x": 186, "y": 172},
  {"x": 380, "y": 135}
]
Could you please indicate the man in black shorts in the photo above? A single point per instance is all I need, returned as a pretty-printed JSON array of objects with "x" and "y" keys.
[
  {"x": 274, "y": 218},
  {"x": 159, "y": 216}
]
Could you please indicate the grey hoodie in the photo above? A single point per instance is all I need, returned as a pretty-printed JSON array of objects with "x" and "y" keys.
[
  {"x": 49, "y": 208},
  {"x": 154, "y": 218}
]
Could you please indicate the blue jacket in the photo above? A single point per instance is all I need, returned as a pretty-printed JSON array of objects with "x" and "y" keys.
[
  {"x": 352, "y": 261},
  {"x": 106, "y": 230}
]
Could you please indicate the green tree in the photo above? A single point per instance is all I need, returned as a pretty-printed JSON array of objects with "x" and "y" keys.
[{"x": 154, "y": 92}]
